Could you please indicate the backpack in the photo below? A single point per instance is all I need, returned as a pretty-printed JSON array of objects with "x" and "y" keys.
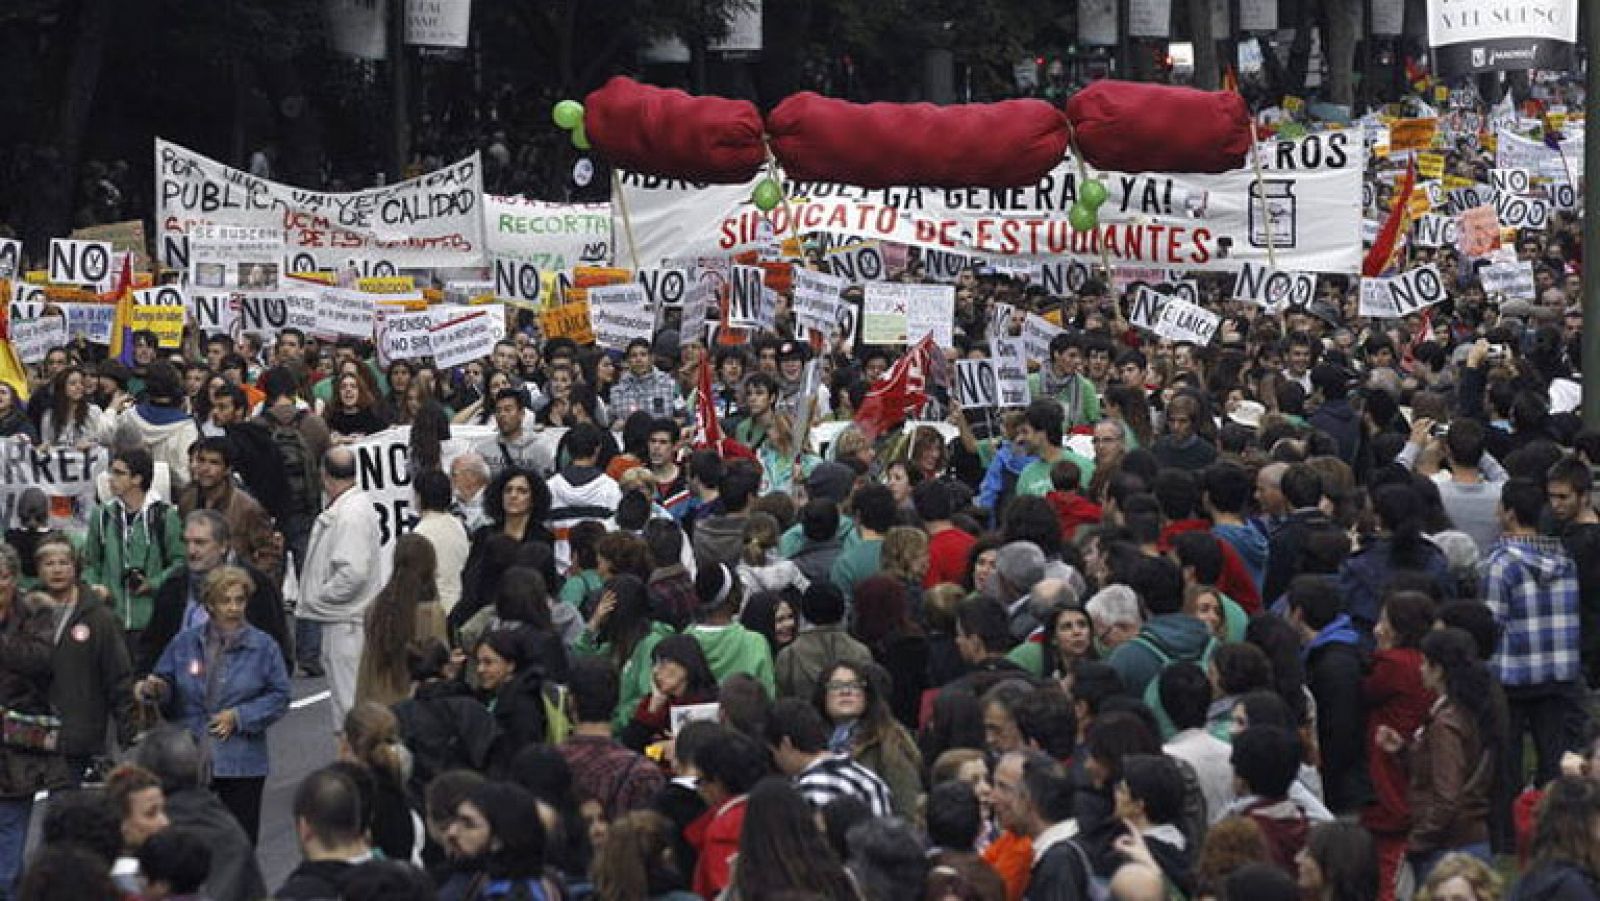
[
  {"x": 1095, "y": 887},
  {"x": 1152, "y": 690},
  {"x": 300, "y": 466}
]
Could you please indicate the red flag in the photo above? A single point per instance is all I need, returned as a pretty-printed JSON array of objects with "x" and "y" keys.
[
  {"x": 1423, "y": 333},
  {"x": 903, "y": 389},
  {"x": 708, "y": 431},
  {"x": 1388, "y": 237}
]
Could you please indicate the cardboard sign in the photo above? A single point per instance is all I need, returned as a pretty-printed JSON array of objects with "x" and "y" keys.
[
  {"x": 161, "y": 296},
  {"x": 1393, "y": 298},
  {"x": 619, "y": 315},
  {"x": 975, "y": 384},
  {"x": 462, "y": 340},
  {"x": 81, "y": 263},
  {"x": 1185, "y": 321},
  {"x": 1434, "y": 231},
  {"x": 1274, "y": 289},
  {"x": 817, "y": 299},
  {"x": 1010, "y": 370},
  {"x": 1478, "y": 232},
  {"x": 1516, "y": 211},
  {"x": 165, "y": 320},
  {"x": 343, "y": 312},
  {"x": 897, "y": 313},
  {"x": 568, "y": 321},
  {"x": 1430, "y": 165},
  {"x": 1412, "y": 134},
  {"x": 1510, "y": 181},
  {"x": 36, "y": 336},
  {"x": 125, "y": 237}
]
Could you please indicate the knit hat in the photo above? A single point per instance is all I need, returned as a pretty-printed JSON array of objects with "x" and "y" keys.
[{"x": 830, "y": 481}]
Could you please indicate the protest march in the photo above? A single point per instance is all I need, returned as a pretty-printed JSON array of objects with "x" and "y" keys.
[{"x": 1116, "y": 490}]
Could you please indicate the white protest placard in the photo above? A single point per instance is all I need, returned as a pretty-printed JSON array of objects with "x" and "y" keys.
[
  {"x": 245, "y": 257},
  {"x": 1434, "y": 231},
  {"x": 1185, "y": 321},
  {"x": 467, "y": 291},
  {"x": 1510, "y": 279},
  {"x": 619, "y": 314},
  {"x": 899, "y": 313},
  {"x": 516, "y": 279},
  {"x": 684, "y": 714},
  {"x": 81, "y": 263},
  {"x": 1402, "y": 295},
  {"x": 404, "y": 335},
  {"x": 344, "y": 312},
  {"x": 1010, "y": 370},
  {"x": 1563, "y": 165},
  {"x": 268, "y": 314},
  {"x": 33, "y": 337},
  {"x": 857, "y": 264},
  {"x": 93, "y": 321},
  {"x": 1144, "y": 310},
  {"x": 383, "y": 472},
  {"x": 10, "y": 257},
  {"x": 664, "y": 288},
  {"x": 433, "y": 220},
  {"x": 552, "y": 236},
  {"x": 463, "y": 339},
  {"x": 1522, "y": 212},
  {"x": 438, "y": 23},
  {"x": 975, "y": 384},
  {"x": 945, "y": 267},
  {"x": 67, "y": 477},
  {"x": 1274, "y": 289},
  {"x": 817, "y": 298},
  {"x": 745, "y": 302},
  {"x": 28, "y": 293},
  {"x": 1510, "y": 181},
  {"x": 1037, "y": 333}
]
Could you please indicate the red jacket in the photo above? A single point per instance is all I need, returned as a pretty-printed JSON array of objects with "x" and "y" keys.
[
  {"x": 1395, "y": 698},
  {"x": 718, "y": 842},
  {"x": 1073, "y": 510},
  {"x": 1235, "y": 581}
]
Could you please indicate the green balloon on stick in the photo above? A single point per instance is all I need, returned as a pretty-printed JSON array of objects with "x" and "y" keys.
[
  {"x": 1082, "y": 218},
  {"x": 1093, "y": 195},
  {"x": 568, "y": 114},
  {"x": 580, "y": 138},
  {"x": 768, "y": 195}
]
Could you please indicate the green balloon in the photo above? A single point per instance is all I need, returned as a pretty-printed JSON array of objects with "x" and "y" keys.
[
  {"x": 1082, "y": 218},
  {"x": 767, "y": 195},
  {"x": 568, "y": 114},
  {"x": 580, "y": 138},
  {"x": 1093, "y": 194}
]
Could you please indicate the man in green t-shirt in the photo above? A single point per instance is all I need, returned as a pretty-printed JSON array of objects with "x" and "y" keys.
[{"x": 1040, "y": 435}]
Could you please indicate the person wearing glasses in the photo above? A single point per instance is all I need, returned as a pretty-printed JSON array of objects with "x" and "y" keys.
[{"x": 135, "y": 542}]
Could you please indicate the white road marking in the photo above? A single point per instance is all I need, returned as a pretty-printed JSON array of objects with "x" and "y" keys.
[{"x": 308, "y": 700}]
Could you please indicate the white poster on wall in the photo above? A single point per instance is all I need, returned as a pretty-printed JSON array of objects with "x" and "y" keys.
[
  {"x": 439, "y": 23},
  {"x": 1149, "y": 18},
  {"x": 1258, "y": 15},
  {"x": 1097, "y": 23}
]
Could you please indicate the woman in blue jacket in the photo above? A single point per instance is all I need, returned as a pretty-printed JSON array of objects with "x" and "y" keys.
[{"x": 224, "y": 679}]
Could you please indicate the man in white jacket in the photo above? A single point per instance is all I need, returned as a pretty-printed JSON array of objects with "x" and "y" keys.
[{"x": 340, "y": 576}]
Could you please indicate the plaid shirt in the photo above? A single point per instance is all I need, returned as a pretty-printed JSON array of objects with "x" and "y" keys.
[
  {"x": 605, "y": 771},
  {"x": 656, "y": 394},
  {"x": 1531, "y": 585}
]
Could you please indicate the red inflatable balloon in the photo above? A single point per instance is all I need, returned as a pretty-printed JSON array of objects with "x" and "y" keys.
[
  {"x": 664, "y": 132},
  {"x": 1009, "y": 144},
  {"x": 1126, "y": 126}
]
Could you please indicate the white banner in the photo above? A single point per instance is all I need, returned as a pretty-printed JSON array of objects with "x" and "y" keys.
[
  {"x": 268, "y": 314},
  {"x": 91, "y": 320},
  {"x": 344, "y": 312},
  {"x": 439, "y": 23},
  {"x": 552, "y": 236},
  {"x": 66, "y": 476},
  {"x": 1472, "y": 36},
  {"x": 1511, "y": 280},
  {"x": 1310, "y": 212},
  {"x": 434, "y": 220},
  {"x": 1258, "y": 15},
  {"x": 619, "y": 314},
  {"x": 900, "y": 313},
  {"x": 1513, "y": 151},
  {"x": 463, "y": 339}
]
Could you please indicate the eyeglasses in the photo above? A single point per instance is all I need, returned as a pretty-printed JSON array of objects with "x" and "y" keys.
[{"x": 847, "y": 687}]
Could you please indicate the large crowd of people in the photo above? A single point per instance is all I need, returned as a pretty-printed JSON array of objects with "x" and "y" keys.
[{"x": 1311, "y": 611}]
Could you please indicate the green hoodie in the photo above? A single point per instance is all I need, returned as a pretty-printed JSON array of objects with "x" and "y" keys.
[
  {"x": 152, "y": 542},
  {"x": 735, "y": 649},
  {"x": 635, "y": 680}
]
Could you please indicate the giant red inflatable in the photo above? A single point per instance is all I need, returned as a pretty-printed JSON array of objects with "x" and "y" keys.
[
  {"x": 1126, "y": 126},
  {"x": 665, "y": 132}
]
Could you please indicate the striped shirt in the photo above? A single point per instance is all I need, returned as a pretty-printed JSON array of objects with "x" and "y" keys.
[{"x": 834, "y": 775}]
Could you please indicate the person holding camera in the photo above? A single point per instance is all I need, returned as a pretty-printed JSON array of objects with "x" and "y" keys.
[{"x": 135, "y": 542}]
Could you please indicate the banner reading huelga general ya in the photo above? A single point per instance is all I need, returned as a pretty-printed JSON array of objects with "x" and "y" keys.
[
  {"x": 432, "y": 221},
  {"x": 1307, "y": 207}
]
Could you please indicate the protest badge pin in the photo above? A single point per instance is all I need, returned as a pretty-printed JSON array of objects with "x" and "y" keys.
[
  {"x": 80, "y": 633},
  {"x": 583, "y": 172}
]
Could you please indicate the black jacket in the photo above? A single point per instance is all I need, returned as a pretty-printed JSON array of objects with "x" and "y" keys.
[
  {"x": 446, "y": 729},
  {"x": 1059, "y": 875},
  {"x": 316, "y": 880},
  {"x": 1284, "y": 548},
  {"x": 260, "y": 467},
  {"x": 235, "y": 876},
  {"x": 519, "y": 714},
  {"x": 91, "y": 677},
  {"x": 1333, "y": 673},
  {"x": 264, "y": 611},
  {"x": 25, "y": 675},
  {"x": 481, "y": 575}
]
